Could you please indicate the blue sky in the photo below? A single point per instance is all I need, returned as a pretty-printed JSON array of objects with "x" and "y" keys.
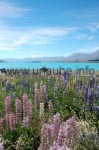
[{"x": 36, "y": 28}]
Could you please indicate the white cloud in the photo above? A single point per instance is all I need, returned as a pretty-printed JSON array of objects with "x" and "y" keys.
[
  {"x": 89, "y": 50},
  {"x": 83, "y": 37},
  {"x": 12, "y": 38},
  {"x": 8, "y": 9},
  {"x": 93, "y": 27},
  {"x": 91, "y": 37}
]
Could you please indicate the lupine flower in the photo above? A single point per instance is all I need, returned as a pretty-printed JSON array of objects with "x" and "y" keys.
[
  {"x": 41, "y": 109},
  {"x": 18, "y": 109},
  {"x": 8, "y": 85},
  {"x": 96, "y": 108},
  {"x": 44, "y": 137},
  {"x": 36, "y": 97},
  {"x": 56, "y": 124},
  {"x": 56, "y": 87},
  {"x": 61, "y": 136},
  {"x": 12, "y": 121},
  {"x": 25, "y": 99},
  {"x": 90, "y": 97},
  {"x": 50, "y": 105},
  {"x": 58, "y": 137},
  {"x": 43, "y": 91},
  {"x": 71, "y": 132},
  {"x": 96, "y": 92},
  {"x": 91, "y": 82},
  {"x": 29, "y": 109},
  {"x": 26, "y": 121},
  {"x": 85, "y": 93},
  {"x": 8, "y": 104}
]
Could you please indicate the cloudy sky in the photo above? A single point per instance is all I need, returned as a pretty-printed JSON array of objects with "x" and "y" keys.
[{"x": 36, "y": 28}]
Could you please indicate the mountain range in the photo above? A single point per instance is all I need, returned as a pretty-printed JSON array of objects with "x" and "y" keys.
[{"x": 73, "y": 57}]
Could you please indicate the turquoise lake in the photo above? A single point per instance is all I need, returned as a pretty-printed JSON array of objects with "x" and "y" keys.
[{"x": 51, "y": 65}]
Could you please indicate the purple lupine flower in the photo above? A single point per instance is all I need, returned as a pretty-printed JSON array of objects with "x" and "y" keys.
[
  {"x": 85, "y": 93},
  {"x": 8, "y": 85},
  {"x": 90, "y": 97},
  {"x": 96, "y": 108},
  {"x": 96, "y": 92},
  {"x": 96, "y": 84},
  {"x": 91, "y": 82}
]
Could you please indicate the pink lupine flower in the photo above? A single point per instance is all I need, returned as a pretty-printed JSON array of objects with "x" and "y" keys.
[
  {"x": 45, "y": 137},
  {"x": 56, "y": 124},
  {"x": 50, "y": 105},
  {"x": 7, "y": 104},
  {"x": 26, "y": 122},
  {"x": 61, "y": 136},
  {"x": 43, "y": 90},
  {"x": 55, "y": 146},
  {"x": 36, "y": 97},
  {"x": 25, "y": 99},
  {"x": 18, "y": 110},
  {"x": 58, "y": 137},
  {"x": 12, "y": 121},
  {"x": 29, "y": 109},
  {"x": 71, "y": 131}
]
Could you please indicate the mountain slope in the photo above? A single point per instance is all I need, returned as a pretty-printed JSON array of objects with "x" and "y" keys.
[{"x": 73, "y": 57}]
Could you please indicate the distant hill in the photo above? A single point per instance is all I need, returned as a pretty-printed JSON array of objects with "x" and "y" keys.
[
  {"x": 74, "y": 57},
  {"x": 83, "y": 56},
  {"x": 2, "y": 61}
]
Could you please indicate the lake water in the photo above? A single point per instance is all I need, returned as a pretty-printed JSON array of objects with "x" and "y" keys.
[{"x": 51, "y": 65}]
